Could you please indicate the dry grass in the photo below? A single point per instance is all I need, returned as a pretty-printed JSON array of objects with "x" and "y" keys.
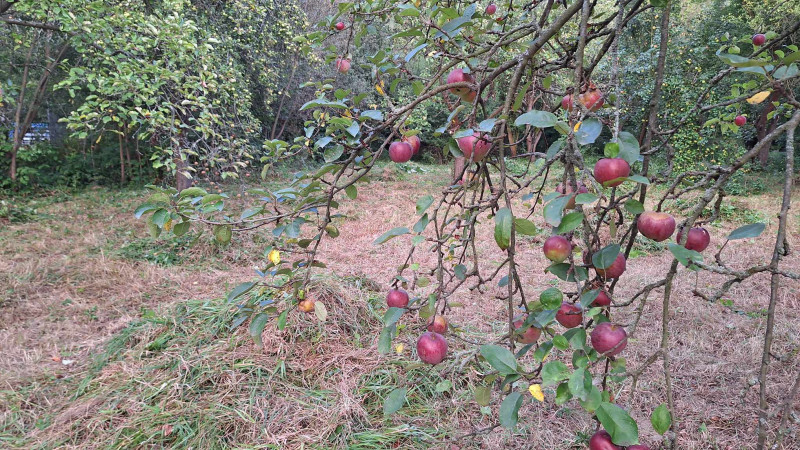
[{"x": 156, "y": 365}]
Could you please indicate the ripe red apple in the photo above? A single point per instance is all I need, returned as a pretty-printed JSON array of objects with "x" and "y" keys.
[
  {"x": 414, "y": 141},
  {"x": 306, "y": 305},
  {"x": 475, "y": 146},
  {"x": 657, "y": 226},
  {"x": 397, "y": 298},
  {"x": 759, "y": 39},
  {"x": 602, "y": 300},
  {"x": 697, "y": 240},
  {"x": 740, "y": 120},
  {"x": 592, "y": 99},
  {"x": 569, "y": 315},
  {"x": 609, "y": 339},
  {"x": 571, "y": 203},
  {"x": 342, "y": 65},
  {"x": 438, "y": 325},
  {"x": 432, "y": 347},
  {"x": 602, "y": 441},
  {"x": 400, "y": 152},
  {"x": 469, "y": 97},
  {"x": 616, "y": 268},
  {"x": 458, "y": 76},
  {"x": 557, "y": 248},
  {"x": 566, "y": 103},
  {"x": 491, "y": 9},
  {"x": 340, "y": 26},
  {"x": 530, "y": 335},
  {"x": 608, "y": 169}
]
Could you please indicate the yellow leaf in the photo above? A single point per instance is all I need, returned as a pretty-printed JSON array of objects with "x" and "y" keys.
[
  {"x": 379, "y": 89},
  {"x": 536, "y": 392},
  {"x": 399, "y": 349},
  {"x": 274, "y": 257},
  {"x": 758, "y": 98},
  {"x": 577, "y": 127},
  {"x": 168, "y": 225}
]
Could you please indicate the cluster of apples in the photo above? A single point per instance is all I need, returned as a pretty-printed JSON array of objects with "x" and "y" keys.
[
  {"x": 431, "y": 346},
  {"x": 401, "y": 151},
  {"x": 602, "y": 441},
  {"x": 592, "y": 99}
]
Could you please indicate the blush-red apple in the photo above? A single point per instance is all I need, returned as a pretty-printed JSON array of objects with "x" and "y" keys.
[
  {"x": 759, "y": 39},
  {"x": 571, "y": 202},
  {"x": 569, "y": 315},
  {"x": 340, "y": 26},
  {"x": 697, "y": 240},
  {"x": 657, "y": 226},
  {"x": 740, "y": 120},
  {"x": 491, "y": 9},
  {"x": 397, "y": 298},
  {"x": 474, "y": 147},
  {"x": 342, "y": 65},
  {"x": 458, "y": 76},
  {"x": 615, "y": 270},
  {"x": 609, "y": 339},
  {"x": 592, "y": 99},
  {"x": 602, "y": 300},
  {"x": 557, "y": 248},
  {"x": 438, "y": 325},
  {"x": 608, "y": 169},
  {"x": 602, "y": 441},
  {"x": 530, "y": 335},
  {"x": 400, "y": 152},
  {"x": 566, "y": 102},
  {"x": 432, "y": 348},
  {"x": 414, "y": 141}
]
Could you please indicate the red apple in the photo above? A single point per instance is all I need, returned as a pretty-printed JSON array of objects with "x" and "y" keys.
[
  {"x": 616, "y": 268},
  {"x": 657, "y": 226},
  {"x": 475, "y": 146},
  {"x": 566, "y": 102},
  {"x": 557, "y": 248},
  {"x": 458, "y": 76},
  {"x": 414, "y": 141},
  {"x": 569, "y": 315},
  {"x": 592, "y": 99},
  {"x": 698, "y": 239},
  {"x": 602, "y": 441},
  {"x": 432, "y": 347},
  {"x": 340, "y": 26},
  {"x": 608, "y": 169},
  {"x": 438, "y": 325},
  {"x": 400, "y": 152},
  {"x": 491, "y": 9},
  {"x": 397, "y": 298},
  {"x": 469, "y": 97},
  {"x": 530, "y": 335},
  {"x": 342, "y": 65},
  {"x": 609, "y": 339},
  {"x": 571, "y": 203},
  {"x": 602, "y": 300},
  {"x": 759, "y": 39},
  {"x": 740, "y": 120}
]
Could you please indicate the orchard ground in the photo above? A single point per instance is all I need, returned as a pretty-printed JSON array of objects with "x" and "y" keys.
[{"x": 111, "y": 339}]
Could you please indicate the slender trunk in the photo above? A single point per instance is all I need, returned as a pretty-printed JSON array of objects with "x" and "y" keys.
[
  {"x": 778, "y": 251},
  {"x": 19, "y": 135},
  {"x": 459, "y": 164},
  {"x": 280, "y": 105},
  {"x": 121, "y": 161},
  {"x": 761, "y": 126}
]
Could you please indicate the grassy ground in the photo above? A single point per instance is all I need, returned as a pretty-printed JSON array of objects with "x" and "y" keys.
[{"x": 110, "y": 339}]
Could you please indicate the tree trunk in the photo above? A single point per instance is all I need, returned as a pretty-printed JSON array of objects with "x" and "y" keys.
[
  {"x": 19, "y": 135},
  {"x": 761, "y": 126},
  {"x": 121, "y": 161},
  {"x": 459, "y": 164}
]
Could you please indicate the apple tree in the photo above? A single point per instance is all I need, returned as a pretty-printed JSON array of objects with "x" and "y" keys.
[{"x": 539, "y": 83}]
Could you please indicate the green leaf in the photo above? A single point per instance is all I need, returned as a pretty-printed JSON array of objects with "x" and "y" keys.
[
  {"x": 443, "y": 386},
  {"x": 385, "y": 341},
  {"x": 500, "y": 358},
  {"x": 684, "y": 255},
  {"x": 554, "y": 372},
  {"x": 570, "y": 222},
  {"x": 785, "y": 72},
  {"x": 415, "y": 50},
  {"x": 618, "y": 423},
  {"x": 589, "y": 131},
  {"x": 181, "y": 228},
  {"x": 661, "y": 419},
  {"x": 424, "y": 203},
  {"x": 222, "y": 234},
  {"x": 256, "y": 327},
  {"x": 192, "y": 192},
  {"x": 394, "y": 401},
  {"x": 592, "y": 401},
  {"x": 551, "y": 298},
  {"x": 628, "y": 147},
  {"x": 372, "y": 114},
  {"x": 509, "y": 410},
  {"x": 561, "y": 342},
  {"x": 585, "y": 198},
  {"x": 538, "y": 119},
  {"x": 483, "y": 395},
  {"x": 460, "y": 271},
  {"x": 748, "y": 231},
  {"x": 562, "y": 394},
  {"x": 486, "y": 125},
  {"x": 634, "y": 206},
  {"x": 160, "y": 218},
  {"x": 282, "y": 319},
  {"x": 554, "y": 148},
  {"x": 554, "y": 209},
  {"x": 605, "y": 257},
  {"x": 525, "y": 226},
  {"x": 580, "y": 384},
  {"x": 502, "y": 228},
  {"x": 659, "y": 3},
  {"x": 393, "y": 233},
  {"x": 333, "y": 153},
  {"x": 351, "y": 191},
  {"x": 564, "y": 271},
  {"x": 240, "y": 290},
  {"x": 392, "y": 315},
  {"x": 638, "y": 179},
  {"x": 423, "y": 221},
  {"x": 145, "y": 207},
  {"x": 611, "y": 150}
]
